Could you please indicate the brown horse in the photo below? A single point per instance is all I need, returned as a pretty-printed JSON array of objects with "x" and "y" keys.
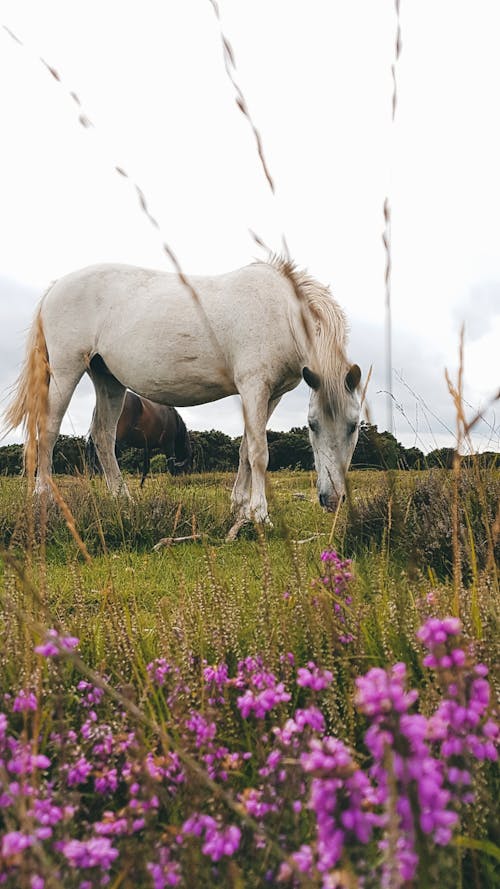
[{"x": 150, "y": 426}]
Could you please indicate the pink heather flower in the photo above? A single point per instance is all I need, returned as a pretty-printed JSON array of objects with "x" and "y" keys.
[
  {"x": 311, "y": 717},
  {"x": 383, "y": 691},
  {"x": 313, "y": 677},
  {"x": 436, "y": 632},
  {"x": 112, "y": 826},
  {"x": 15, "y": 842},
  {"x": 461, "y": 720},
  {"x": 24, "y": 700},
  {"x": 219, "y": 675},
  {"x": 158, "y": 670},
  {"x": 96, "y": 852},
  {"x": 24, "y": 762},
  {"x": 46, "y": 812},
  {"x": 288, "y": 658},
  {"x": 218, "y": 841},
  {"x": 37, "y": 882},
  {"x": 165, "y": 871},
  {"x": 55, "y": 644},
  {"x": 303, "y": 859},
  {"x": 203, "y": 730},
  {"x": 43, "y": 833},
  {"x": 328, "y": 754},
  {"x": 107, "y": 782},
  {"x": 262, "y": 702},
  {"x": 93, "y": 695},
  {"x": 79, "y": 772}
]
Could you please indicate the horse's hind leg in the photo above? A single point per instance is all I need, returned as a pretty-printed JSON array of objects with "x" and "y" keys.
[
  {"x": 61, "y": 388},
  {"x": 109, "y": 402}
]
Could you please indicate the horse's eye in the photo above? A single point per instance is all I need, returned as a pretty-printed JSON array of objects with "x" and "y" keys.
[
  {"x": 313, "y": 426},
  {"x": 352, "y": 428}
]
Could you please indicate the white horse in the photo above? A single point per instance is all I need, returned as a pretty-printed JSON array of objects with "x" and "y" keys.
[{"x": 255, "y": 331}]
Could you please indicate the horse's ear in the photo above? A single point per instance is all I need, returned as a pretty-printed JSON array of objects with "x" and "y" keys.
[
  {"x": 353, "y": 377},
  {"x": 312, "y": 379}
]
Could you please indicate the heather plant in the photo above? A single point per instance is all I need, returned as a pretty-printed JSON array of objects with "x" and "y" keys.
[{"x": 228, "y": 772}]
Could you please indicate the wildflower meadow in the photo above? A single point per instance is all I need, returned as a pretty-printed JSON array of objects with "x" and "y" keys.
[{"x": 277, "y": 711}]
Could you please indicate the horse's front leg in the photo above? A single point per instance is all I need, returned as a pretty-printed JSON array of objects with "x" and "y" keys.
[
  {"x": 145, "y": 465},
  {"x": 249, "y": 492},
  {"x": 257, "y": 407},
  {"x": 240, "y": 496}
]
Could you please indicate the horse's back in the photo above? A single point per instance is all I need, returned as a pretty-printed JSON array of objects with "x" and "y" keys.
[
  {"x": 158, "y": 338},
  {"x": 106, "y": 287}
]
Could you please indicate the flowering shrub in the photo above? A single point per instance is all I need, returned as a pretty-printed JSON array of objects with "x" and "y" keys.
[
  {"x": 334, "y": 585},
  {"x": 99, "y": 796}
]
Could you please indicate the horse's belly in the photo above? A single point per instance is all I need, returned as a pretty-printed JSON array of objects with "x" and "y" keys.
[
  {"x": 186, "y": 395},
  {"x": 179, "y": 384}
]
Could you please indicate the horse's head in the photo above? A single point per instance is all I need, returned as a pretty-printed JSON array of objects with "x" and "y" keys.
[
  {"x": 333, "y": 431},
  {"x": 183, "y": 448}
]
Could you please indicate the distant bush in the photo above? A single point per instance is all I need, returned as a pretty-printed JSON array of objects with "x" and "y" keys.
[{"x": 214, "y": 451}]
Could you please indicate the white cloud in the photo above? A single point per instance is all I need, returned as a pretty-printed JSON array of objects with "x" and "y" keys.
[{"x": 318, "y": 82}]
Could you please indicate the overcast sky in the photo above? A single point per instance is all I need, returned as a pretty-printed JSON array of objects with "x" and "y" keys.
[{"x": 317, "y": 78}]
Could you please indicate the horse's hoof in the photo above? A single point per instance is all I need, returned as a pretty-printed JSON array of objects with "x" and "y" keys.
[
  {"x": 263, "y": 520},
  {"x": 43, "y": 489}
]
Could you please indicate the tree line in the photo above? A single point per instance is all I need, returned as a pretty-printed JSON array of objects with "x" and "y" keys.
[{"x": 216, "y": 451}]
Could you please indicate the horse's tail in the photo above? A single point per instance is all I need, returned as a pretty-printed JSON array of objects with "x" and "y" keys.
[{"x": 30, "y": 394}]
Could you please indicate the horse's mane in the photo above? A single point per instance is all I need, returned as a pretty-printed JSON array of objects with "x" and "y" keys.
[{"x": 325, "y": 326}]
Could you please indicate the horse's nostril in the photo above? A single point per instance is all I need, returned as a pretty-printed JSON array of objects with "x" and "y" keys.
[
  {"x": 323, "y": 499},
  {"x": 343, "y": 498}
]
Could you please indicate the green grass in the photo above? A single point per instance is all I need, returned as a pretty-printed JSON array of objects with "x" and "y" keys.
[
  {"x": 219, "y": 592},
  {"x": 260, "y": 594}
]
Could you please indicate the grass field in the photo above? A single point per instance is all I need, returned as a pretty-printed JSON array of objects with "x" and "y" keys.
[{"x": 207, "y": 790}]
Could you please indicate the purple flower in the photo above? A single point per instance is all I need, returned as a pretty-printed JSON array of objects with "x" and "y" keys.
[
  {"x": 204, "y": 731},
  {"x": 107, "y": 782},
  {"x": 79, "y": 772},
  {"x": 165, "y": 871},
  {"x": 46, "y": 812},
  {"x": 381, "y": 691},
  {"x": 218, "y": 841},
  {"x": 313, "y": 677},
  {"x": 96, "y": 852},
  {"x": 219, "y": 675},
  {"x": 436, "y": 632},
  {"x": 262, "y": 702},
  {"x": 15, "y": 842},
  {"x": 24, "y": 700},
  {"x": 55, "y": 644},
  {"x": 158, "y": 670}
]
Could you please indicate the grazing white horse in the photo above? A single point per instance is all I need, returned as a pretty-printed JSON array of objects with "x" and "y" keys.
[{"x": 255, "y": 331}]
